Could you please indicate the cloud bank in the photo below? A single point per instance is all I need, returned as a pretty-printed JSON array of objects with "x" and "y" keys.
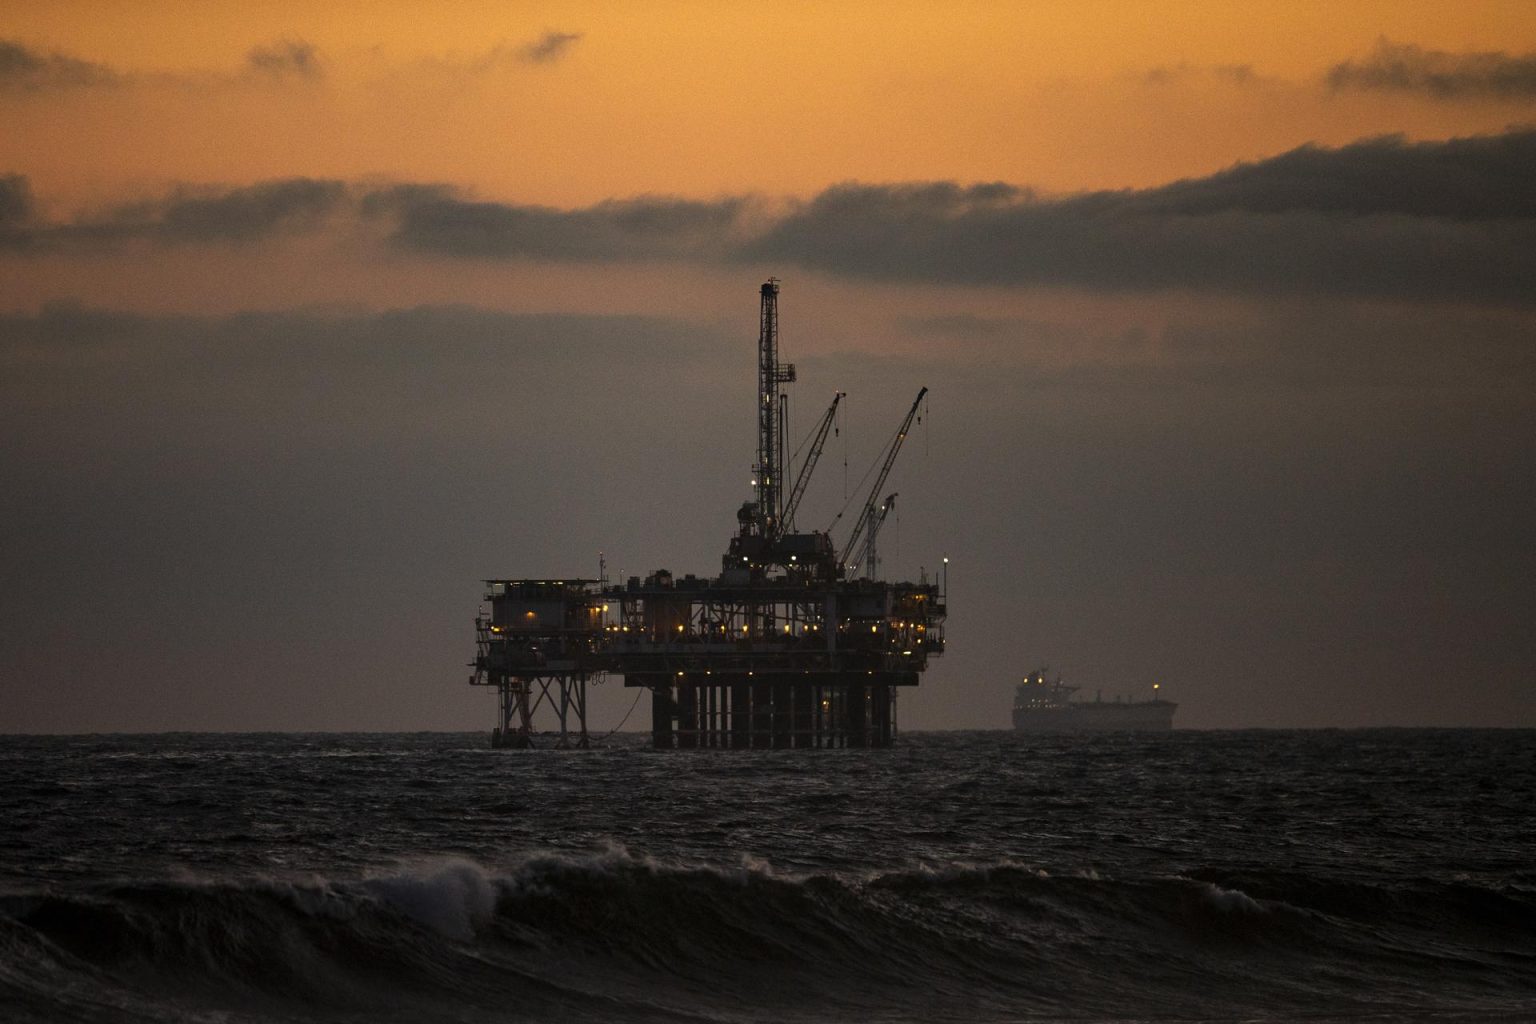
[
  {"x": 1450, "y": 220},
  {"x": 25, "y": 69},
  {"x": 436, "y": 221},
  {"x": 234, "y": 215},
  {"x": 1406, "y": 68}
]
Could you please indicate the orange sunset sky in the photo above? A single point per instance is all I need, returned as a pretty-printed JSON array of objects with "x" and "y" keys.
[
  {"x": 695, "y": 100},
  {"x": 704, "y": 98}
]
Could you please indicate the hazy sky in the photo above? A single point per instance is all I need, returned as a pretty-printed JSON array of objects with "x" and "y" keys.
[{"x": 314, "y": 315}]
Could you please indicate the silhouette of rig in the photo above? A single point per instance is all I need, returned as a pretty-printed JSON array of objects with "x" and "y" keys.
[{"x": 795, "y": 644}]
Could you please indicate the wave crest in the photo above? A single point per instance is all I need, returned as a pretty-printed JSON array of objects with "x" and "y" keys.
[
  {"x": 455, "y": 897},
  {"x": 611, "y": 932}
]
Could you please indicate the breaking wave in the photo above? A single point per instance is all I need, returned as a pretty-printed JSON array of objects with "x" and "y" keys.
[{"x": 618, "y": 936}]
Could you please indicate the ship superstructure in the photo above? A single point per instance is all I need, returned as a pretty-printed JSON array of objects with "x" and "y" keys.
[{"x": 795, "y": 643}]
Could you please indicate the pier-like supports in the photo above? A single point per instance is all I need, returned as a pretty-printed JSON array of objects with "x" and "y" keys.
[{"x": 773, "y": 713}]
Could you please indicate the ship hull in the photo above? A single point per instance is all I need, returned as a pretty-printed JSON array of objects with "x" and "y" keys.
[{"x": 1141, "y": 716}]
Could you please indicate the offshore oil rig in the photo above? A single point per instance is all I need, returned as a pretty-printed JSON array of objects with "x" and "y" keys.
[{"x": 795, "y": 644}]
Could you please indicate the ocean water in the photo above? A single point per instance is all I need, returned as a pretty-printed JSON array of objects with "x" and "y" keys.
[{"x": 1259, "y": 876}]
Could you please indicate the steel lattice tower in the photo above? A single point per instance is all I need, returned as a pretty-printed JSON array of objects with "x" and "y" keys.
[{"x": 769, "y": 471}]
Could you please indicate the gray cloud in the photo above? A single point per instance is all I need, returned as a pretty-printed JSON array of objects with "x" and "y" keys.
[
  {"x": 1448, "y": 221},
  {"x": 1477, "y": 178},
  {"x": 25, "y": 69},
  {"x": 285, "y": 58},
  {"x": 1445, "y": 220},
  {"x": 435, "y": 220},
  {"x": 1404, "y": 67},
  {"x": 238, "y": 215},
  {"x": 550, "y": 47},
  {"x": 1451, "y": 220},
  {"x": 192, "y": 214}
]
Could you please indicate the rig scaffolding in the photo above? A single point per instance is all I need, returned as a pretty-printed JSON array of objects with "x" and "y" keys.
[{"x": 784, "y": 649}]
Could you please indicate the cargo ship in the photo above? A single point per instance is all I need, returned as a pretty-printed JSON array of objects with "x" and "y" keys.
[{"x": 1040, "y": 705}]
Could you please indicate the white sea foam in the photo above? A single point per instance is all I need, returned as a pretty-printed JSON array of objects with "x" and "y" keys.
[
  {"x": 1232, "y": 901},
  {"x": 452, "y": 896}
]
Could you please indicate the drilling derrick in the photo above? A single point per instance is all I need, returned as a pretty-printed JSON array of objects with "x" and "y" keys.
[
  {"x": 762, "y": 543},
  {"x": 782, "y": 649},
  {"x": 769, "y": 471}
]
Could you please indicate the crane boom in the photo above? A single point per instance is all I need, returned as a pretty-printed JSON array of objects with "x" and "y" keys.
[
  {"x": 885, "y": 471},
  {"x": 809, "y": 466}
]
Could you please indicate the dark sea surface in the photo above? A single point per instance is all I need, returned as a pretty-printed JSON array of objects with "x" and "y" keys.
[{"x": 1300, "y": 876}]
